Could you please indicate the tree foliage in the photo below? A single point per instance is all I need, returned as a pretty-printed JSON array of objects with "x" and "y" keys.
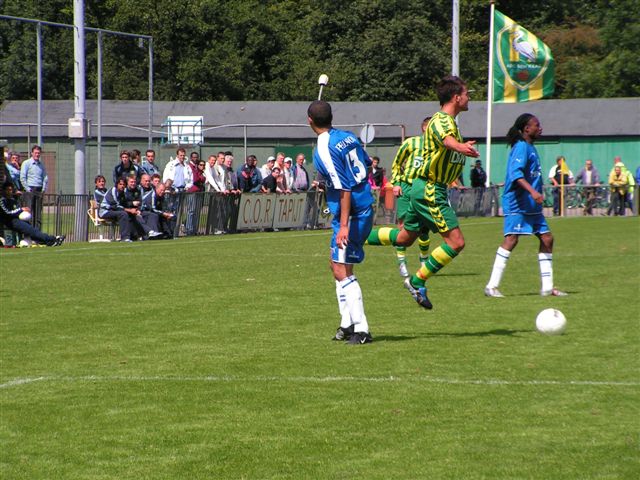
[{"x": 275, "y": 49}]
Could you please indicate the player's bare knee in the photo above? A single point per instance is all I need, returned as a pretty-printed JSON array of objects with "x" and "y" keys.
[{"x": 546, "y": 241}]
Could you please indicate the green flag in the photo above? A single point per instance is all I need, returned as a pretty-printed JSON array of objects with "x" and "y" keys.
[{"x": 523, "y": 66}]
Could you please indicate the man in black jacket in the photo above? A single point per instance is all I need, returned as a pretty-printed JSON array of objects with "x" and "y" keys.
[{"x": 10, "y": 213}]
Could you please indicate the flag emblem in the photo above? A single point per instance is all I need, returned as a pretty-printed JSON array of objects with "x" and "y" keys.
[{"x": 524, "y": 66}]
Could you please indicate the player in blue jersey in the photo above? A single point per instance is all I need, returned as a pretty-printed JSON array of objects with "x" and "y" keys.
[
  {"x": 522, "y": 206},
  {"x": 342, "y": 162}
]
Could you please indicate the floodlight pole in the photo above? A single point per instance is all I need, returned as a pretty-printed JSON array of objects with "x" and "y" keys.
[
  {"x": 79, "y": 86},
  {"x": 39, "y": 80},
  {"x": 99, "y": 102},
  {"x": 150, "y": 143},
  {"x": 455, "y": 39}
]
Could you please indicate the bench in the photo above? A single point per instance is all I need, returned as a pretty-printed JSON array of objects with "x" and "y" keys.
[{"x": 100, "y": 223}]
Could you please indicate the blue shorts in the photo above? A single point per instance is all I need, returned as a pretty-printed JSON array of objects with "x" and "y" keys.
[
  {"x": 359, "y": 228},
  {"x": 521, "y": 224}
]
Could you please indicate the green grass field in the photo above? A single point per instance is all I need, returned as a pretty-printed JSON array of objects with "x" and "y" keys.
[{"x": 210, "y": 358}]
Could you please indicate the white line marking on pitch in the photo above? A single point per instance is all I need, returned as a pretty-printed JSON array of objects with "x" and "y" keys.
[{"x": 329, "y": 379}]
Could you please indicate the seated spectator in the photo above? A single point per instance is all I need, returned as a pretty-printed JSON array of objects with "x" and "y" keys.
[
  {"x": 249, "y": 179},
  {"x": 113, "y": 208},
  {"x": 10, "y": 213},
  {"x": 150, "y": 219},
  {"x": 155, "y": 179},
  {"x": 133, "y": 205},
  {"x": 101, "y": 190},
  {"x": 167, "y": 218}
]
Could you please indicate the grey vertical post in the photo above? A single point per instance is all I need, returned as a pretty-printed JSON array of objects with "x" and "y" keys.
[
  {"x": 245, "y": 141},
  {"x": 455, "y": 39},
  {"x": 99, "y": 102},
  {"x": 150, "y": 93},
  {"x": 39, "y": 80},
  {"x": 79, "y": 73}
]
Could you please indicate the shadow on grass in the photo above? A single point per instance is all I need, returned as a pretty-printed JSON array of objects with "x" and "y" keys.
[
  {"x": 394, "y": 338},
  {"x": 537, "y": 294},
  {"x": 498, "y": 331}
]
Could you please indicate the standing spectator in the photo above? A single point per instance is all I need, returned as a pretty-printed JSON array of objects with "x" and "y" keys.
[
  {"x": 280, "y": 156},
  {"x": 300, "y": 175},
  {"x": 522, "y": 200},
  {"x": 177, "y": 174},
  {"x": 342, "y": 161},
  {"x": 195, "y": 201},
  {"x": 125, "y": 168},
  {"x": 265, "y": 170},
  {"x": 376, "y": 174},
  {"x": 136, "y": 158},
  {"x": 559, "y": 175},
  {"x": 214, "y": 174},
  {"x": 287, "y": 174},
  {"x": 13, "y": 166},
  {"x": 270, "y": 183},
  {"x": 478, "y": 178},
  {"x": 194, "y": 157},
  {"x": 10, "y": 213},
  {"x": 589, "y": 177},
  {"x": 149, "y": 163},
  {"x": 34, "y": 178},
  {"x": 249, "y": 179},
  {"x": 619, "y": 184},
  {"x": 33, "y": 175},
  {"x": 230, "y": 177},
  {"x": 199, "y": 178}
]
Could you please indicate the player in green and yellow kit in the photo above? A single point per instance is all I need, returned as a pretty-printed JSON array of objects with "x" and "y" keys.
[
  {"x": 405, "y": 165},
  {"x": 444, "y": 156}
]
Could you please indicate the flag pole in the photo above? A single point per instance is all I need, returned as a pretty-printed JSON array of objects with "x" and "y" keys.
[{"x": 490, "y": 94}]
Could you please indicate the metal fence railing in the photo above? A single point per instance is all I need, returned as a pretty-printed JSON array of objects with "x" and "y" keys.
[{"x": 209, "y": 213}]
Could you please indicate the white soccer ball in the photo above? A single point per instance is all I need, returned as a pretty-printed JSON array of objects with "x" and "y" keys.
[
  {"x": 25, "y": 216},
  {"x": 25, "y": 243},
  {"x": 551, "y": 322}
]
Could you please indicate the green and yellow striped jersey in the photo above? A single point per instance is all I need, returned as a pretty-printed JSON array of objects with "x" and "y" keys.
[
  {"x": 441, "y": 165},
  {"x": 407, "y": 161}
]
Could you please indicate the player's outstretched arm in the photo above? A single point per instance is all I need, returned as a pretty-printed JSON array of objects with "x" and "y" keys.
[{"x": 467, "y": 148}]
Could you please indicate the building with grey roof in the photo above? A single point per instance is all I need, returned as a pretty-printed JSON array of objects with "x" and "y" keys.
[{"x": 578, "y": 129}]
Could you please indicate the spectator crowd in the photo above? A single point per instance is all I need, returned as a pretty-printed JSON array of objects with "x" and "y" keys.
[{"x": 144, "y": 198}]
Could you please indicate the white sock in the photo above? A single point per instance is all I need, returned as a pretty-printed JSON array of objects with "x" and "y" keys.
[
  {"x": 546, "y": 271},
  {"x": 353, "y": 295},
  {"x": 345, "y": 318},
  {"x": 499, "y": 265}
]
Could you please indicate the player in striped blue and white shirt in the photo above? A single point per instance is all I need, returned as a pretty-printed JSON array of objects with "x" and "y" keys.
[{"x": 340, "y": 159}]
